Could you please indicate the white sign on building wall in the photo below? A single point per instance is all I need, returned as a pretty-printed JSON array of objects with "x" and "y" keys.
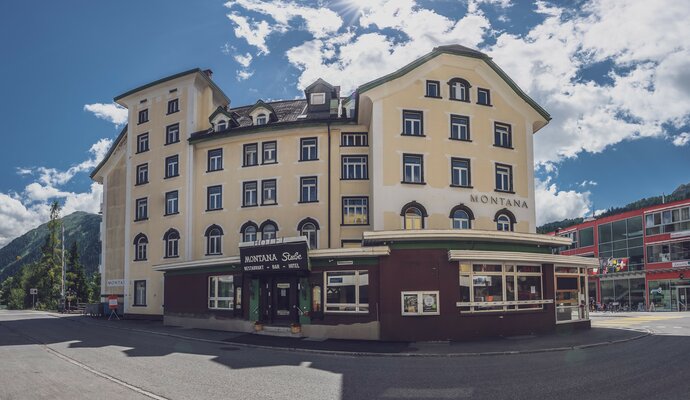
[{"x": 115, "y": 282}]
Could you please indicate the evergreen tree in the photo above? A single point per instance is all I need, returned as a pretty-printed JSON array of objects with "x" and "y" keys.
[
  {"x": 95, "y": 288},
  {"x": 75, "y": 275},
  {"x": 47, "y": 273}
]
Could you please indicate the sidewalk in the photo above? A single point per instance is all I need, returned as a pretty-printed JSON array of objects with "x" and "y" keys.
[{"x": 518, "y": 345}]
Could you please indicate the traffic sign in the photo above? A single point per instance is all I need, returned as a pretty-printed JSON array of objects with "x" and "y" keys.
[{"x": 33, "y": 291}]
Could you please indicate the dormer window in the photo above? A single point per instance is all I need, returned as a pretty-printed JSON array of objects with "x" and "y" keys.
[
  {"x": 318, "y": 99},
  {"x": 222, "y": 125},
  {"x": 459, "y": 89},
  {"x": 261, "y": 119}
]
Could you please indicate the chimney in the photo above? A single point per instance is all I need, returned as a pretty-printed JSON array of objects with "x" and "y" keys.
[{"x": 208, "y": 73}]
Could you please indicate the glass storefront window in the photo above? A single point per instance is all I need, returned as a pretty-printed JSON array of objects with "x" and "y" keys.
[
  {"x": 347, "y": 291},
  {"x": 499, "y": 287},
  {"x": 586, "y": 237},
  {"x": 571, "y": 294}
]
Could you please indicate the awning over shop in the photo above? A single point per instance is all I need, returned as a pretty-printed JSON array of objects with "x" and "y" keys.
[{"x": 516, "y": 256}]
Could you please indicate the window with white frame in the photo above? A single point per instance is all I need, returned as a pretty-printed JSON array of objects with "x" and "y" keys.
[
  {"x": 249, "y": 233},
  {"x": 503, "y": 223},
  {"x": 504, "y": 178},
  {"x": 572, "y": 302},
  {"x": 412, "y": 123},
  {"x": 460, "y": 172},
  {"x": 311, "y": 232},
  {"x": 354, "y": 167},
  {"x": 215, "y": 160},
  {"x": 140, "y": 293},
  {"x": 172, "y": 202},
  {"x": 172, "y": 243},
  {"x": 500, "y": 287},
  {"x": 459, "y": 127},
  {"x": 268, "y": 192},
  {"x": 250, "y": 154},
  {"x": 214, "y": 239},
  {"x": 667, "y": 221},
  {"x": 461, "y": 220},
  {"x": 261, "y": 119},
  {"x": 142, "y": 209},
  {"x": 459, "y": 89},
  {"x": 172, "y": 166},
  {"x": 214, "y": 198},
  {"x": 318, "y": 98},
  {"x": 172, "y": 134},
  {"x": 142, "y": 174},
  {"x": 143, "y": 116},
  {"x": 413, "y": 218},
  {"x": 143, "y": 142},
  {"x": 483, "y": 97},
  {"x": 141, "y": 243},
  {"x": 347, "y": 291},
  {"x": 503, "y": 135},
  {"x": 433, "y": 89},
  {"x": 173, "y": 106},
  {"x": 221, "y": 291},
  {"x": 269, "y": 231},
  {"x": 221, "y": 126},
  {"x": 249, "y": 194},
  {"x": 419, "y": 303},
  {"x": 269, "y": 150},
  {"x": 413, "y": 171},
  {"x": 308, "y": 149},
  {"x": 355, "y": 210},
  {"x": 308, "y": 189},
  {"x": 354, "y": 139}
]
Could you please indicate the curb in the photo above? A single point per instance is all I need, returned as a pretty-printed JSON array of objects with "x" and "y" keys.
[{"x": 643, "y": 334}]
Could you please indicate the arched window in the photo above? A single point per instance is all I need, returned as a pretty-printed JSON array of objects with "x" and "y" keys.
[
  {"x": 261, "y": 119},
  {"x": 222, "y": 125},
  {"x": 141, "y": 242},
  {"x": 505, "y": 220},
  {"x": 310, "y": 228},
  {"x": 459, "y": 89},
  {"x": 461, "y": 217},
  {"x": 269, "y": 230},
  {"x": 214, "y": 239},
  {"x": 413, "y": 215},
  {"x": 172, "y": 243},
  {"x": 248, "y": 231}
]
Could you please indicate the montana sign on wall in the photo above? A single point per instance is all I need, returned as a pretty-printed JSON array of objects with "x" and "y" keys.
[{"x": 276, "y": 255}]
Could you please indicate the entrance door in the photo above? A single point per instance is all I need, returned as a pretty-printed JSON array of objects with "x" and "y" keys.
[
  {"x": 282, "y": 300},
  {"x": 682, "y": 293}
]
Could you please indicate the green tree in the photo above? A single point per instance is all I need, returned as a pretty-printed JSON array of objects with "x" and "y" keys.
[
  {"x": 75, "y": 275},
  {"x": 47, "y": 273},
  {"x": 95, "y": 288},
  {"x": 16, "y": 299}
]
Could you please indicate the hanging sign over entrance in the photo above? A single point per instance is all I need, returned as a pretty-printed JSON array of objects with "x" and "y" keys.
[{"x": 279, "y": 255}]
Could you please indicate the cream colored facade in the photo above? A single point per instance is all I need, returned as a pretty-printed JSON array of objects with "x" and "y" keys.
[{"x": 377, "y": 111}]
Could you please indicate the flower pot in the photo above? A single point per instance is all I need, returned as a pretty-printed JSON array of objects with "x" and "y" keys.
[
  {"x": 258, "y": 327},
  {"x": 295, "y": 328}
]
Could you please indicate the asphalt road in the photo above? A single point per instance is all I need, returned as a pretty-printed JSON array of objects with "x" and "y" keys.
[{"x": 45, "y": 357}]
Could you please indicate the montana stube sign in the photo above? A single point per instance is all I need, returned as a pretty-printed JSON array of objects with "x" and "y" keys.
[
  {"x": 486, "y": 199},
  {"x": 279, "y": 255}
]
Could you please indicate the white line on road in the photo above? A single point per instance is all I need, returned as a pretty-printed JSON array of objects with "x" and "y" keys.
[{"x": 305, "y": 364}]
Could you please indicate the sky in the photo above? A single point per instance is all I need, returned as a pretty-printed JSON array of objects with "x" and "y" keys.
[{"x": 614, "y": 75}]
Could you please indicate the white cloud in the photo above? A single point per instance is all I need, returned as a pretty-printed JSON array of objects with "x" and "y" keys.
[
  {"x": 255, "y": 33},
  {"x": 110, "y": 112},
  {"x": 21, "y": 212},
  {"x": 682, "y": 139},
  {"x": 588, "y": 183},
  {"x": 244, "y": 74},
  {"x": 553, "y": 204},
  {"x": 244, "y": 60}
]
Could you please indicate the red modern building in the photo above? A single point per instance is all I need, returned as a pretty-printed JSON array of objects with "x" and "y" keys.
[{"x": 644, "y": 257}]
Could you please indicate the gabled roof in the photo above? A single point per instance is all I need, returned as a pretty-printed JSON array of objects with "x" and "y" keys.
[
  {"x": 112, "y": 148},
  {"x": 220, "y": 110},
  {"x": 260, "y": 104},
  {"x": 318, "y": 82},
  {"x": 284, "y": 111},
  {"x": 171, "y": 77},
  {"x": 457, "y": 50}
]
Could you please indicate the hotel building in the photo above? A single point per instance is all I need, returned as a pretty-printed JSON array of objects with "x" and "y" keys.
[
  {"x": 644, "y": 257},
  {"x": 402, "y": 211}
]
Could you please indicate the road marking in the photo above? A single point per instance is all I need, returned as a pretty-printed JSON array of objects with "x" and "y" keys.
[
  {"x": 428, "y": 393},
  {"x": 305, "y": 364}
]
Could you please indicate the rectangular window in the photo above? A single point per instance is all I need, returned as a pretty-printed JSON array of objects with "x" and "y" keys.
[
  {"x": 460, "y": 172},
  {"x": 459, "y": 127},
  {"x": 667, "y": 221},
  {"x": 270, "y": 154},
  {"x": 504, "y": 178},
  {"x": 221, "y": 292},
  {"x": 586, "y": 237},
  {"x": 172, "y": 134},
  {"x": 139, "y": 293},
  {"x": 354, "y": 139},
  {"x": 354, "y": 167},
  {"x": 503, "y": 136},
  {"x": 355, "y": 211},
  {"x": 249, "y": 195},
  {"x": 419, "y": 303},
  {"x": 250, "y": 155},
  {"x": 143, "y": 142},
  {"x": 172, "y": 166},
  {"x": 172, "y": 203},
  {"x": 142, "y": 174},
  {"x": 413, "y": 171},
  {"x": 318, "y": 98},
  {"x": 308, "y": 149},
  {"x": 499, "y": 287},
  {"x": 173, "y": 106},
  {"x": 268, "y": 192},
  {"x": 347, "y": 291},
  {"x": 433, "y": 89},
  {"x": 142, "y": 209},
  {"x": 483, "y": 97},
  {"x": 571, "y": 294},
  {"x": 143, "y": 116},
  {"x": 214, "y": 198},
  {"x": 215, "y": 160},
  {"x": 676, "y": 251},
  {"x": 412, "y": 123},
  {"x": 308, "y": 192}
]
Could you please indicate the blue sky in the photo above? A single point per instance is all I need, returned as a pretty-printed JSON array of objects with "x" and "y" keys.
[{"x": 615, "y": 84}]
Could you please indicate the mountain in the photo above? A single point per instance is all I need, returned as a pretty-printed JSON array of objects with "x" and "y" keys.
[
  {"x": 682, "y": 192},
  {"x": 80, "y": 226}
]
